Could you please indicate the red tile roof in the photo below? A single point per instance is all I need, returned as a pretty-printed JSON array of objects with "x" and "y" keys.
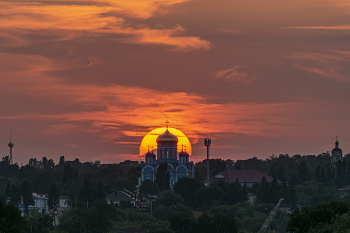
[
  {"x": 345, "y": 188},
  {"x": 244, "y": 176}
]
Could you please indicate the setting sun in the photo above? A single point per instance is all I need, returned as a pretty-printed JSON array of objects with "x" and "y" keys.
[{"x": 151, "y": 137}]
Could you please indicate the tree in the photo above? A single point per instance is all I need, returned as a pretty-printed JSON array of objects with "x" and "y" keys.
[
  {"x": 318, "y": 173},
  {"x": 85, "y": 192},
  {"x": 125, "y": 204},
  {"x": 98, "y": 193},
  {"x": 182, "y": 224},
  {"x": 148, "y": 187},
  {"x": 284, "y": 190},
  {"x": 169, "y": 199},
  {"x": 27, "y": 195},
  {"x": 292, "y": 197},
  {"x": 39, "y": 223},
  {"x": 162, "y": 212},
  {"x": 75, "y": 175},
  {"x": 11, "y": 220},
  {"x": 8, "y": 191},
  {"x": 274, "y": 191},
  {"x": 163, "y": 176},
  {"x": 263, "y": 192},
  {"x": 187, "y": 187},
  {"x": 53, "y": 196},
  {"x": 306, "y": 218},
  {"x": 98, "y": 218},
  {"x": 61, "y": 163},
  {"x": 67, "y": 173},
  {"x": 303, "y": 172},
  {"x": 15, "y": 197},
  {"x": 204, "y": 224},
  {"x": 224, "y": 223}
]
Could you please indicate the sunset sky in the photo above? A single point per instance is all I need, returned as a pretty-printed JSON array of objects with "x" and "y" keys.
[{"x": 88, "y": 79}]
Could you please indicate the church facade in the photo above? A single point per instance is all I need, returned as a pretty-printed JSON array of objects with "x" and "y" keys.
[{"x": 178, "y": 163}]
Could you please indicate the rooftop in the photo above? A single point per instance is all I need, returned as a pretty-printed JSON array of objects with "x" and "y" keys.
[{"x": 243, "y": 176}]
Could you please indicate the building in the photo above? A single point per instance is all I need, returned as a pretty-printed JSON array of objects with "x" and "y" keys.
[
  {"x": 178, "y": 163},
  {"x": 63, "y": 202},
  {"x": 117, "y": 196},
  {"x": 337, "y": 153},
  {"x": 344, "y": 190},
  {"x": 248, "y": 177},
  {"x": 40, "y": 203}
]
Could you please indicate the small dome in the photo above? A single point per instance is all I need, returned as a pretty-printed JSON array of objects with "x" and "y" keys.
[
  {"x": 167, "y": 138},
  {"x": 336, "y": 149},
  {"x": 150, "y": 154}
]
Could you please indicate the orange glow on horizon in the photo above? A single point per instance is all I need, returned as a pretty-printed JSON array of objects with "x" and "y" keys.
[{"x": 151, "y": 137}]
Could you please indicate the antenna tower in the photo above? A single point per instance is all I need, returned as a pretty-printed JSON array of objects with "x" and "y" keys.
[{"x": 11, "y": 146}]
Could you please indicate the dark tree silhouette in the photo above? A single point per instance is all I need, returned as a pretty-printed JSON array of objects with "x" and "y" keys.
[
  {"x": 163, "y": 176},
  {"x": 11, "y": 220},
  {"x": 27, "y": 196},
  {"x": 53, "y": 196}
]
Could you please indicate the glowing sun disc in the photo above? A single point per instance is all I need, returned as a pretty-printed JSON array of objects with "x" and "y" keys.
[{"x": 151, "y": 137}]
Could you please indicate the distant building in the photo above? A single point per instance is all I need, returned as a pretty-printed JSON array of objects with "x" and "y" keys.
[
  {"x": 117, "y": 196},
  {"x": 337, "y": 153},
  {"x": 178, "y": 164},
  {"x": 344, "y": 190},
  {"x": 40, "y": 203},
  {"x": 63, "y": 202},
  {"x": 248, "y": 177}
]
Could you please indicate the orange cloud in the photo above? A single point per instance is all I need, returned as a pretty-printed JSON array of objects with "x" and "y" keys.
[
  {"x": 338, "y": 27},
  {"x": 234, "y": 75},
  {"x": 96, "y": 18},
  {"x": 329, "y": 72},
  {"x": 321, "y": 57}
]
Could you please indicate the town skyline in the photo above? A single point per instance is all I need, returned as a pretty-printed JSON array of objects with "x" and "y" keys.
[{"x": 89, "y": 79}]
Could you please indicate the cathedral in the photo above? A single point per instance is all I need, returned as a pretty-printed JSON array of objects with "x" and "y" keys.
[{"x": 178, "y": 163}]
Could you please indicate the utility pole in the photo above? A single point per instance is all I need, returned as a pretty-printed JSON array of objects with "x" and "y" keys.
[{"x": 207, "y": 143}]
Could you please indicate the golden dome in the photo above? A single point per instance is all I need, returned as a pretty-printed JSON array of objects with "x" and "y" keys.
[{"x": 167, "y": 138}]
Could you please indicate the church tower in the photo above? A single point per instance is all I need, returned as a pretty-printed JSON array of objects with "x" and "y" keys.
[{"x": 337, "y": 153}]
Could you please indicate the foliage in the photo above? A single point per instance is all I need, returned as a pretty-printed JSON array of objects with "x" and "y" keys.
[
  {"x": 306, "y": 218},
  {"x": 162, "y": 212},
  {"x": 27, "y": 196},
  {"x": 187, "y": 187},
  {"x": 53, "y": 196},
  {"x": 312, "y": 192},
  {"x": 149, "y": 187},
  {"x": 40, "y": 223},
  {"x": 97, "y": 219},
  {"x": 11, "y": 220},
  {"x": 163, "y": 176},
  {"x": 168, "y": 199},
  {"x": 125, "y": 204},
  {"x": 182, "y": 224}
]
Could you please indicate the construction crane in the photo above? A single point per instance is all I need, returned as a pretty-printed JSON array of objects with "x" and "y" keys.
[{"x": 270, "y": 217}]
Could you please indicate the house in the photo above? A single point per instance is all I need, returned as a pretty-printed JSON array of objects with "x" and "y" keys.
[
  {"x": 344, "y": 190},
  {"x": 63, "y": 202},
  {"x": 248, "y": 177},
  {"x": 117, "y": 196},
  {"x": 40, "y": 203}
]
